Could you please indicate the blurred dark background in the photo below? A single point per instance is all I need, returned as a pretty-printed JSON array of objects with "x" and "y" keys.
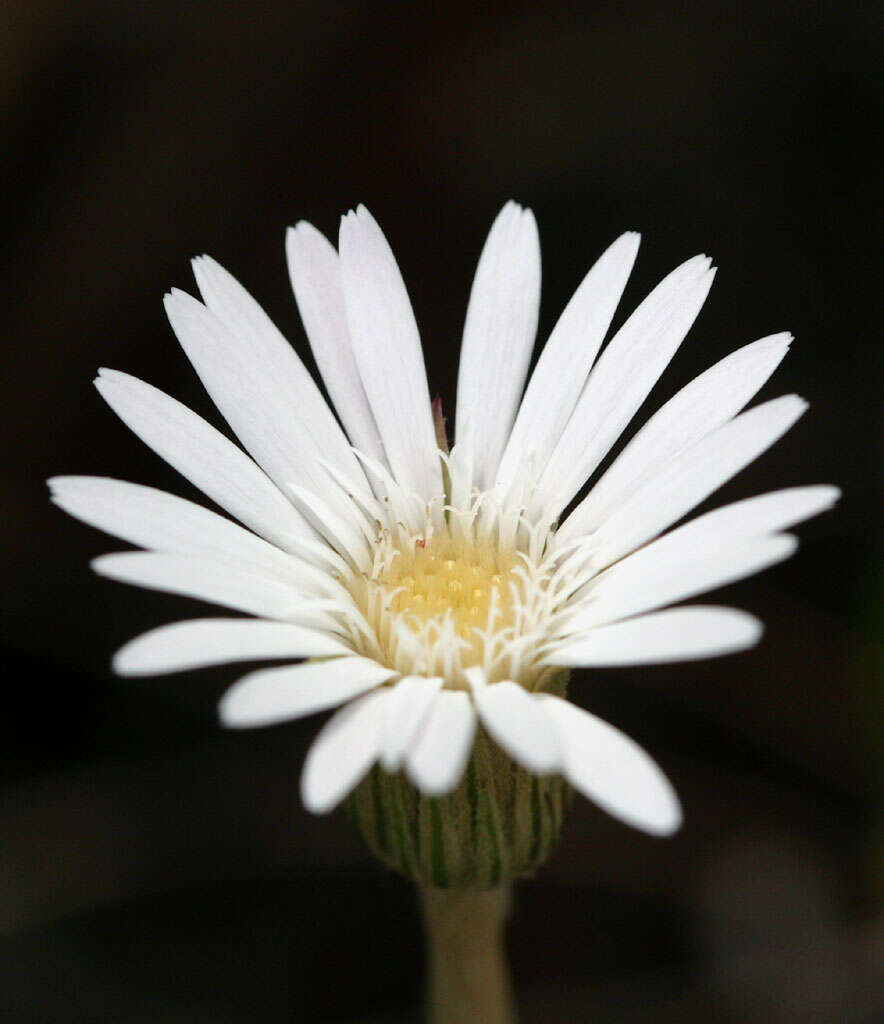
[{"x": 154, "y": 869}]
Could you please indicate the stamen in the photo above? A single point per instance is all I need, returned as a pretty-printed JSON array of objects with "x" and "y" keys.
[{"x": 469, "y": 588}]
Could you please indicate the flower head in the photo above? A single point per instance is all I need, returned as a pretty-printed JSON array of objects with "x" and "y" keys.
[{"x": 432, "y": 590}]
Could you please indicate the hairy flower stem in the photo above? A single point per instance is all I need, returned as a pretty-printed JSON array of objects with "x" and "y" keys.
[{"x": 468, "y": 974}]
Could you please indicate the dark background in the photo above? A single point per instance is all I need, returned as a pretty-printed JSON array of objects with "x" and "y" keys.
[{"x": 154, "y": 869}]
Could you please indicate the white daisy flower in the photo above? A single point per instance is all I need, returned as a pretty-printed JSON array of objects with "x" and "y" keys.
[{"x": 430, "y": 591}]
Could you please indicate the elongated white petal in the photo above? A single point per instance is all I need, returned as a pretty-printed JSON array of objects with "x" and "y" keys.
[
  {"x": 678, "y": 634},
  {"x": 725, "y": 527},
  {"x": 620, "y": 381},
  {"x": 565, "y": 362},
  {"x": 200, "y": 642},
  {"x": 752, "y": 517},
  {"x": 339, "y": 526},
  {"x": 255, "y": 395},
  {"x": 273, "y": 695},
  {"x": 206, "y": 458},
  {"x": 692, "y": 476},
  {"x": 410, "y": 702},
  {"x": 707, "y": 402},
  {"x": 162, "y": 522},
  {"x": 300, "y": 413},
  {"x": 613, "y": 771},
  {"x": 388, "y": 354},
  {"x": 437, "y": 760},
  {"x": 315, "y": 272},
  {"x": 344, "y": 750},
  {"x": 519, "y": 724},
  {"x": 460, "y": 472},
  {"x": 498, "y": 338},
  {"x": 404, "y": 506},
  {"x": 652, "y": 578},
  {"x": 206, "y": 580}
]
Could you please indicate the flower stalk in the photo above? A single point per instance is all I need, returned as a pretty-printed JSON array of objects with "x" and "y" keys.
[{"x": 468, "y": 977}]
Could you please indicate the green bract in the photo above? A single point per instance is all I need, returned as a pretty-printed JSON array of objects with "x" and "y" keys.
[{"x": 500, "y": 823}]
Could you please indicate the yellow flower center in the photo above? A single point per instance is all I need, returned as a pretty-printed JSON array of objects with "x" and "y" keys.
[
  {"x": 442, "y": 576},
  {"x": 438, "y": 601}
]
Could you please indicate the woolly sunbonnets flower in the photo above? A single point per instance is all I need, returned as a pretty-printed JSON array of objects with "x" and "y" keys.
[{"x": 431, "y": 590}]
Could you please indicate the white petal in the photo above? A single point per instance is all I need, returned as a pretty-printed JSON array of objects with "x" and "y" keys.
[
  {"x": 197, "y": 643},
  {"x": 707, "y": 402},
  {"x": 341, "y": 528},
  {"x": 692, "y": 476},
  {"x": 260, "y": 400},
  {"x": 476, "y": 678},
  {"x": 498, "y": 338},
  {"x": 437, "y": 760},
  {"x": 566, "y": 360},
  {"x": 342, "y": 753},
  {"x": 300, "y": 411},
  {"x": 620, "y": 381},
  {"x": 652, "y": 578},
  {"x": 410, "y": 702},
  {"x": 402, "y": 505},
  {"x": 206, "y": 580},
  {"x": 613, "y": 771},
  {"x": 460, "y": 472},
  {"x": 752, "y": 517},
  {"x": 372, "y": 509},
  {"x": 315, "y": 273},
  {"x": 205, "y": 457},
  {"x": 273, "y": 695},
  {"x": 388, "y": 353},
  {"x": 724, "y": 527},
  {"x": 519, "y": 724},
  {"x": 678, "y": 634},
  {"x": 162, "y": 522}
]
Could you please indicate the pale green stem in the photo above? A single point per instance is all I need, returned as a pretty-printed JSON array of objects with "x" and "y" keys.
[{"x": 468, "y": 978}]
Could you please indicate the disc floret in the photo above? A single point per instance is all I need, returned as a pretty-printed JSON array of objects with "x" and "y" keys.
[{"x": 457, "y": 594}]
